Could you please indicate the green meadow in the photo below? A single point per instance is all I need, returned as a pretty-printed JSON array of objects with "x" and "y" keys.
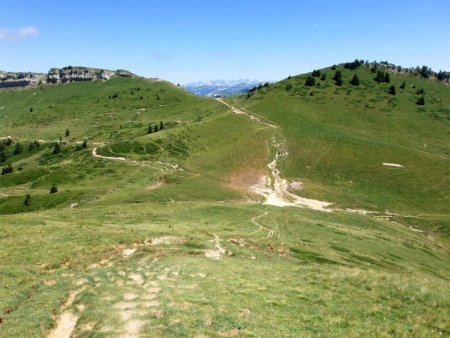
[{"x": 159, "y": 234}]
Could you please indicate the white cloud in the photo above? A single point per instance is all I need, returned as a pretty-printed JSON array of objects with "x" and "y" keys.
[{"x": 17, "y": 34}]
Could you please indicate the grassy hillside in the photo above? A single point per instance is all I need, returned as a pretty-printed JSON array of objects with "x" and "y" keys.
[
  {"x": 157, "y": 234},
  {"x": 340, "y": 136}
]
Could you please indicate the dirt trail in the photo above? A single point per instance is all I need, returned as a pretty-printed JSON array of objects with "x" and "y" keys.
[
  {"x": 270, "y": 232},
  {"x": 154, "y": 165},
  {"x": 250, "y": 116},
  {"x": 66, "y": 322},
  {"x": 218, "y": 252},
  {"x": 274, "y": 189}
]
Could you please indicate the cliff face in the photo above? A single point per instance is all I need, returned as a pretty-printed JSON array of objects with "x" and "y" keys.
[
  {"x": 11, "y": 80},
  {"x": 56, "y": 75}
]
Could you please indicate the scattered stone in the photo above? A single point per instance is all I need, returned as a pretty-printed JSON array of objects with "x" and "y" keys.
[
  {"x": 81, "y": 281},
  {"x": 49, "y": 282},
  {"x": 136, "y": 279},
  {"x": 127, "y": 253},
  {"x": 153, "y": 303},
  {"x": 129, "y": 296}
]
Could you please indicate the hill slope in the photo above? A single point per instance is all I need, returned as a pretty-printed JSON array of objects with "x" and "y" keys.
[
  {"x": 338, "y": 138},
  {"x": 162, "y": 233}
]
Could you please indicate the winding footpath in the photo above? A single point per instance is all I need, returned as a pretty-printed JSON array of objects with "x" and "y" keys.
[
  {"x": 154, "y": 165},
  {"x": 274, "y": 188}
]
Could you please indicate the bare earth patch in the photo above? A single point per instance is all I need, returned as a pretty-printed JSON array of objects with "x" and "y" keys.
[
  {"x": 49, "y": 282},
  {"x": 128, "y": 252},
  {"x": 296, "y": 185},
  {"x": 166, "y": 240},
  {"x": 130, "y": 296},
  {"x": 218, "y": 252},
  {"x": 154, "y": 186},
  {"x": 64, "y": 326},
  {"x": 232, "y": 333},
  {"x": 136, "y": 279}
]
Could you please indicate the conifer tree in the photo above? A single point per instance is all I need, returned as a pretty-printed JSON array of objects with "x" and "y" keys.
[
  {"x": 27, "y": 200},
  {"x": 310, "y": 81},
  {"x": 391, "y": 90},
  {"x": 155, "y": 129},
  {"x": 67, "y": 133},
  {"x": 161, "y": 125},
  {"x": 17, "y": 149},
  {"x": 338, "y": 78},
  {"x": 380, "y": 76},
  {"x": 355, "y": 80},
  {"x": 53, "y": 189},
  {"x": 8, "y": 169},
  {"x": 403, "y": 85},
  {"x": 150, "y": 129},
  {"x": 3, "y": 156},
  {"x": 56, "y": 149}
]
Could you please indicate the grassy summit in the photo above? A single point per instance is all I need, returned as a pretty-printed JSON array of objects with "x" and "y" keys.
[{"x": 162, "y": 234}]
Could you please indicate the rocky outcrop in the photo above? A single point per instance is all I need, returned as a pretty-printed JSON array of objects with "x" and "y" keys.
[
  {"x": 11, "y": 80},
  {"x": 59, "y": 75}
]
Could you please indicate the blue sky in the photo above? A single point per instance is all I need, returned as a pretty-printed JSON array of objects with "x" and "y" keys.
[{"x": 185, "y": 41}]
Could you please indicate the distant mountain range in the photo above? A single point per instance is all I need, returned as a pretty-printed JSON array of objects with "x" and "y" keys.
[{"x": 218, "y": 88}]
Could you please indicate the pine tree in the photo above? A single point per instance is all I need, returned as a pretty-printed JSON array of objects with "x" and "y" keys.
[
  {"x": 310, "y": 81},
  {"x": 17, "y": 149},
  {"x": 355, "y": 80},
  {"x": 27, "y": 201},
  {"x": 53, "y": 189},
  {"x": 403, "y": 85},
  {"x": 155, "y": 129},
  {"x": 8, "y": 169},
  {"x": 323, "y": 77},
  {"x": 84, "y": 145},
  {"x": 421, "y": 101},
  {"x": 387, "y": 78},
  {"x": 31, "y": 146},
  {"x": 391, "y": 90},
  {"x": 316, "y": 73},
  {"x": 337, "y": 75},
  {"x": 56, "y": 149},
  {"x": 338, "y": 78},
  {"x": 380, "y": 76},
  {"x": 67, "y": 133},
  {"x": 161, "y": 125},
  {"x": 150, "y": 129},
  {"x": 3, "y": 156}
]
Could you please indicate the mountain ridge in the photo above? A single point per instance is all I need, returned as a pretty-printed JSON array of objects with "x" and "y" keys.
[{"x": 59, "y": 75}]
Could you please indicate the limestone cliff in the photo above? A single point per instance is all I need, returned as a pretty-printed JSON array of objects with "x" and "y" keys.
[{"x": 59, "y": 75}]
